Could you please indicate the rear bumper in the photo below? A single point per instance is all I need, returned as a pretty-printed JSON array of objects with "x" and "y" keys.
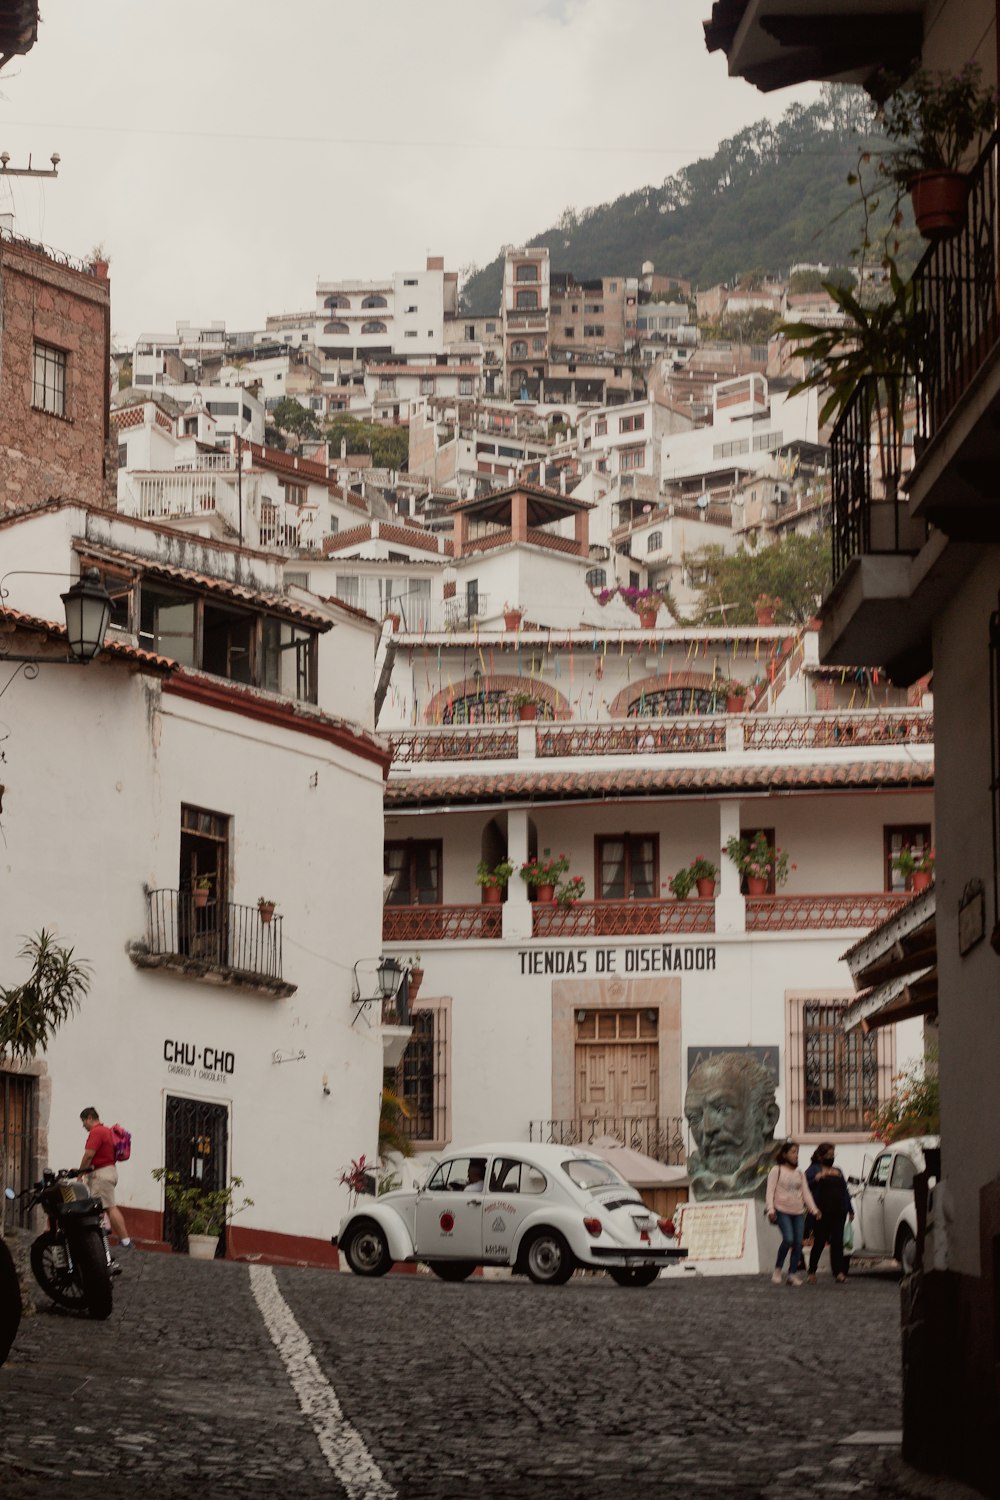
[{"x": 620, "y": 1256}]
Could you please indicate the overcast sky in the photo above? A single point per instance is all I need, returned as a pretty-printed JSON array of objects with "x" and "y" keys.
[{"x": 229, "y": 152}]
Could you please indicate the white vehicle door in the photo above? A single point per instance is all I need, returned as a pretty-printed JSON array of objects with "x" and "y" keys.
[
  {"x": 449, "y": 1220},
  {"x": 514, "y": 1191},
  {"x": 871, "y": 1203},
  {"x": 899, "y": 1194}
]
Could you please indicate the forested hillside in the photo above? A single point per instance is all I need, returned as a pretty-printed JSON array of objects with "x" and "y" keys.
[{"x": 770, "y": 196}]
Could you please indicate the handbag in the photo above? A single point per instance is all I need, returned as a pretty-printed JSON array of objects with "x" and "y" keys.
[{"x": 848, "y": 1235}]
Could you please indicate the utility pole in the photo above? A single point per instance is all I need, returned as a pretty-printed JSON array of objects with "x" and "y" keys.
[{"x": 29, "y": 170}]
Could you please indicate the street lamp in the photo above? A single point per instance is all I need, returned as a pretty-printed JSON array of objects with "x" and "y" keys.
[{"x": 88, "y": 612}]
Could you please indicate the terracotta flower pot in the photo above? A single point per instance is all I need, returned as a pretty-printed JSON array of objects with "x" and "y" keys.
[
  {"x": 765, "y": 614},
  {"x": 266, "y": 909},
  {"x": 200, "y": 894},
  {"x": 416, "y": 979},
  {"x": 939, "y": 202},
  {"x": 492, "y": 895},
  {"x": 735, "y": 705},
  {"x": 527, "y": 711},
  {"x": 511, "y": 619},
  {"x": 647, "y": 618},
  {"x": 545, "y": 893},
  {"x": 706, "y": 887},
  {"x": 756, "y": 885},
  {"x": 920, "y": 880}
]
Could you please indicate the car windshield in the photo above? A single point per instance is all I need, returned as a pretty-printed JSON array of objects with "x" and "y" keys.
[{"x": 592, "y": 1174}]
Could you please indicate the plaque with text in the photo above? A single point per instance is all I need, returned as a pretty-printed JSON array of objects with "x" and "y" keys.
[{"x": 713, "y": 1231}]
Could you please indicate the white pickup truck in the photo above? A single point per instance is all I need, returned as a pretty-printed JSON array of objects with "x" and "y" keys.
[{"x": 885, "y": 1215}]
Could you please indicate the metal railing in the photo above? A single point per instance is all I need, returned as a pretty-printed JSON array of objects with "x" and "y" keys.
[
  {"x": 222, "y": 934},
  {"x": 426, "y": 924},
  {"x": 806, "y": 913},
  {"x": 878, "y": 726},
  {"x": 550, "y": 919},
  {"x": 636, "y": 737},
  {"x": 459, "y": 742},
  {"x": 661, "y": 1138}
]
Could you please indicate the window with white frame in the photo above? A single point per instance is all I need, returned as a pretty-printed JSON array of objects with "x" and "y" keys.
[
  {"x": 654, "y": 541},
  {"x": 48, "y": 387}
]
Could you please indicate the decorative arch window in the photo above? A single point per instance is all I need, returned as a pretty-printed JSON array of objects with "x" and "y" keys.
[
  {"x": 337, "y": 300},
  {"x": 374, "y": 301},
  {"x": 655, "y": 541},
  {"x": 667, "y": 703},
  {"x": 526, "y": 299},
  {"x": 519, "y": 349},
  {"x": 597, "y": 578},
  {"x": 527, "y": 272},
  {"x": 374, "y": 327},
  {"x": 335, "y": 327},
  {"x": 489, "y": 707}
]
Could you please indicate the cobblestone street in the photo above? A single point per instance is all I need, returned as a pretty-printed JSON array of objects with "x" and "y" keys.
[{"x": 691, "y": 1387}]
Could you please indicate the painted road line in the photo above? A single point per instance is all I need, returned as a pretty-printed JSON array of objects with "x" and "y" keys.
[{"x": 340, "y": 1443}]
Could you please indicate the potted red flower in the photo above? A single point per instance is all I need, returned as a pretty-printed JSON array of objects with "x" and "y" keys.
[{"x": 542, "y": 875}]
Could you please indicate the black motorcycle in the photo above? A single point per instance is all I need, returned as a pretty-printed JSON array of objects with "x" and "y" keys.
[
  {"x": 10, "y": 1302},
  {"x": 71, "y": 1260}
]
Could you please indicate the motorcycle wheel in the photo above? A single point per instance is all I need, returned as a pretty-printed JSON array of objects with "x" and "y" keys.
[
  {"x": 94, "y": 1274},
  {"x": 50, "y": 1265},
  {"x": 10, "y": 1302}
]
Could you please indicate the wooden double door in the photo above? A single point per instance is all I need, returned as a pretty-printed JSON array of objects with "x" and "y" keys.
[{"x": 617, "y": 1064}]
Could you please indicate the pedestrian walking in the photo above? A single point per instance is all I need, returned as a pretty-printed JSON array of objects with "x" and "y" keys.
[
  {"x": 828, "y": 1186},
  {"x": 788, "y": 1197},
  {"x": 99, "y": 1163}
]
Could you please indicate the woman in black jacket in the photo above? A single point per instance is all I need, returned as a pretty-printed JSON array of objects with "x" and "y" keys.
[{"x": 829, "y": 1188}]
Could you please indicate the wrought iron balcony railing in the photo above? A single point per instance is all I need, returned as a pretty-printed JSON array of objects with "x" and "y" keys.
[
  {"x": 956, "y": 311},
  {"x": 220, "y": 934},
  {"x": 662, "y": 1138}
]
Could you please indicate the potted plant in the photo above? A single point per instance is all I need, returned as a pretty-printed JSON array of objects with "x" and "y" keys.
[
  {"x": 415, "y": 976},
  {"x": 938, "y": 121},
  {"x": 266, "y": 906},
  {"x": 917, "y": 865},
  {"x": 543, "y": 874},
  {"x": 646, "y": 604},
  {"x": 493, "y": 879},
  {"x": 201, "y": 889},
  {"x": 757, "y": 861},
  {"x": 203, "y": 1212},
  {"x": 99, "y": 261},
  {"x": 704, "y": 873},
  {"x": 682, "y": 883},
  {"x": 512, "y": 616},
  {"x": 571, "y": 891},
  {"x": 526, "y": 705},
  {"x": 765, "y": 606}
]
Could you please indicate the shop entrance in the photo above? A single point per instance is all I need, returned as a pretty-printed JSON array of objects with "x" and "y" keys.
[
  {"x": 617, "y": 1064},
  {"x": 197, "y": 1149}
]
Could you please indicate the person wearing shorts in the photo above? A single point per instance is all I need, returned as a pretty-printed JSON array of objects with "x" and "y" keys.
[{"x": 102, "y": 1174}]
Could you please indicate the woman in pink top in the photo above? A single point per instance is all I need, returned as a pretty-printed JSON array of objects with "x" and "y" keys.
[{"x": 788, "y": 1197}]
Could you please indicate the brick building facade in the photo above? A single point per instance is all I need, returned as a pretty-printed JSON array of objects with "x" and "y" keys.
[{"x": 55, "y": 351}]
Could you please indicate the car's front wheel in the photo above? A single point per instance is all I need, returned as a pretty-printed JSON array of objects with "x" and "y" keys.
[
  {"x": 452, "y": 1270},
  {"x": 633, "y": 1275},
  {"x": 906, "y": 1249},
  {"x": 367, "y": 1249},
  {"x": 548, "y": 1259}
]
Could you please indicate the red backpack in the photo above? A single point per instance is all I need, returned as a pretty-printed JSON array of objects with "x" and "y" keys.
[{"x": 123, "y": 1142}]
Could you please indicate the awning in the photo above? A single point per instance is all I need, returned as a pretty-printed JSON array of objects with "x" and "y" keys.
[{"x": 896, "y": 1000}]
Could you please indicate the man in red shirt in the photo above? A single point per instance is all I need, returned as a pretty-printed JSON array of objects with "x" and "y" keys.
[{"x": 99, "y": 1155}]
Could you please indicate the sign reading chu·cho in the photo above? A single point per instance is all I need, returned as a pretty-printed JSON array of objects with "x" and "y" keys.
[
  {"x": 211, "y": 1064},
  {"x": 659, "y": 958}
]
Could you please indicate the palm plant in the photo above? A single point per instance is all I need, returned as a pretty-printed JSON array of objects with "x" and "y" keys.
[
  {"x": 391, "y": 1137},
  {"x": 31, "y": 1012}
]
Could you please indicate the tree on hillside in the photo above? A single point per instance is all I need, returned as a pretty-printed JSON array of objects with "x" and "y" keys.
[
  {"x": 389, "y": 447},
  {"x": 796, "y": 570},
  {"x": 291, "y": 416}
]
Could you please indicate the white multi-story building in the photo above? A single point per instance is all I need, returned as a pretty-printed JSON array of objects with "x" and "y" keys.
[
  {"x": 400, "y": 316},
  {"x": 220, "y": 749}
]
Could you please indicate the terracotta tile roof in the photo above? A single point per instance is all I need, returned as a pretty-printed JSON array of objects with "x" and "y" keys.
[
  {"x": 667, "y": 780},
  {"x": 311, "y": 470},
  {"x": 123, "y": 650},
  {"x": 278, "y": 604}
]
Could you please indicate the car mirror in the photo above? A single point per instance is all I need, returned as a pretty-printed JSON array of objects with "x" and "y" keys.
[
  {"x": 854, "y": 1181},
  {"x": 9, "y": 1193}
]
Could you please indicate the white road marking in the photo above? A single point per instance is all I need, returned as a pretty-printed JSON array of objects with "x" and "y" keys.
[{"x": 341, "y": 1444}]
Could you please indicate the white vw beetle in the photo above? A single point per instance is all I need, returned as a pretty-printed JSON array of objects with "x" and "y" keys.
[{"x": 542, "y": 1210}]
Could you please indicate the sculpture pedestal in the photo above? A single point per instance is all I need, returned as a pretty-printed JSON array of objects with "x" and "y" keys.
[{"x": 733, "y": 1237}]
